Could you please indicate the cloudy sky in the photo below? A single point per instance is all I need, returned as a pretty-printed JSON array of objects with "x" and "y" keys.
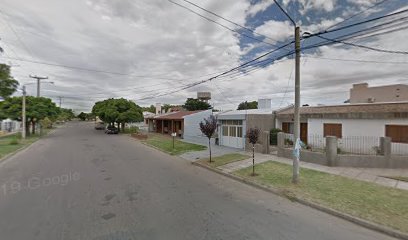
[{"x": 150, "y": 50}]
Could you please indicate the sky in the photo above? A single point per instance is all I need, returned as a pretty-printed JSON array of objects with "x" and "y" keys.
[{"x": 149, "y": 50}]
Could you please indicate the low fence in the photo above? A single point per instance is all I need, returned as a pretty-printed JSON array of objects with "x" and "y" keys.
[
  {"x": 348, "y": 151},
  {"x": 359, "y": 145}
]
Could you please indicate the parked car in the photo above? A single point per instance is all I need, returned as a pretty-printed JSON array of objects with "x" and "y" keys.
[
  {"x": 112, "y": 130},
  {"x": 99, "y": 126}
]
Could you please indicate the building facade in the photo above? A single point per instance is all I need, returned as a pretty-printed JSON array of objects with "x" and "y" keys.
[
  {"x": 362, "y": 93},
  {"x": 355, "y": 125}
]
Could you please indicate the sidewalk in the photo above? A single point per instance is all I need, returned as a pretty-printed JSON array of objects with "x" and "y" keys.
[
  {"x": 215, "y": 152},
  {"x": 373, "y": 175}
]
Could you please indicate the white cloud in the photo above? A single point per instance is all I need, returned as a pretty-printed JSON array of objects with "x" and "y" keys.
[
  {"x": 276, "y": 30},
  {"x": 259, "y": 7}
]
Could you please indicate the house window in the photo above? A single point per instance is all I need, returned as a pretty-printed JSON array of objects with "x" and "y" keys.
[
  {"x": 332, "y": 129},
  {"x": 397, "y": 133},
  {"x": 239, "y": 132},
  {"x": 225, "y": 131},
  {"x": 287, "y": 127},
  {"x": 233, "y": 131}
]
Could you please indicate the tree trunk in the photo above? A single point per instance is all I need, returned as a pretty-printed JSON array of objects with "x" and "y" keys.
[
  {"x": 27, "y": 128},
  {"x": 209, "y": 146},
  {"x": 33, "y": 127},
  {"x": 123, "y": 127},
  {"x": 253, "y": 160}
]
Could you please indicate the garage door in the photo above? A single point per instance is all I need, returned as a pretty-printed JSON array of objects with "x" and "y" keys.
[{"x": 232, "y": 134}]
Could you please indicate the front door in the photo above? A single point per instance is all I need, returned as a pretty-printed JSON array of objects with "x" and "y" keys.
[{"x": 303, "y": 132}]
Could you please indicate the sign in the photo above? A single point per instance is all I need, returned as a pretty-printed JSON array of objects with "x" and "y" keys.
[{"x": 174, "y": 134}]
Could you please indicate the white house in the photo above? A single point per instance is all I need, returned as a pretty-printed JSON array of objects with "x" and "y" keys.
[
  {"x": 9, "y": 125},
  {"x": 357, "y": 126},
  {"x": 232, "y": 125}
]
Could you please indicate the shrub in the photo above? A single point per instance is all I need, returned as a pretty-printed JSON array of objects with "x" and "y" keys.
[
  {"x": 46, "y": 123},
  {"x": 274, "y": 136}
]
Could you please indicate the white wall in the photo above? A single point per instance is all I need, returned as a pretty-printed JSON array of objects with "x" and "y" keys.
[
  {"x": 370, "y": 128},
  {"x": 191, "y": 123}
]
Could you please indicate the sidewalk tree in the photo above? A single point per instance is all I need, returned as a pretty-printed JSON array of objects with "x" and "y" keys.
[
  {"x": 8, "y": 85},
  {"x": 118, "y": 111},
  {"x": 37, "y": 108},
  {"x": 193, "y": 104},
  {"x": 253, "y": 136},
  {"x": 248, "y": 105},
  {"x": 208, "y": 128}
]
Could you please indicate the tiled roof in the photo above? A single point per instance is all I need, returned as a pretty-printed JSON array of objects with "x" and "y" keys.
[
  {"x": 174, "y": 115},
  {"x": 394, "y": 107}
]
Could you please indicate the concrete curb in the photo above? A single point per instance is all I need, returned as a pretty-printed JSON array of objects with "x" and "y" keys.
[{"x": 364, "y": 223}]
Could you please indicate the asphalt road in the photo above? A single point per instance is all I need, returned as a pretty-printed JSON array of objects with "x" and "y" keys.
[{"x": 78, "y": 183}]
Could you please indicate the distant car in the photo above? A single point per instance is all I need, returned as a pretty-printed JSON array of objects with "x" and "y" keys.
[
  {"x": 99, "y": 126},
  {"x": 112, "y": 130}
]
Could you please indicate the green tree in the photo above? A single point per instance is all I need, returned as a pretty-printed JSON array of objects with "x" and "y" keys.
[
  {"x": 118, "y": 111},
  {"x": 193, "y": 104},
  {"x": 248, "y": 105},
  {"x": 151, "y": 109},
  {"x": 8, "y": 85},
  {"x": 65, "y": 114},
  {"x": 37, "y": 108},
  {"x": 82, "y": 116}
]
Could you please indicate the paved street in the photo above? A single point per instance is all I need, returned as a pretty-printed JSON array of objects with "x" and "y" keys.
[{"x": 78, "y": 183}]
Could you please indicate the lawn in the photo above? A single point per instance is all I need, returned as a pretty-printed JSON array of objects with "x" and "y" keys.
[
  {"x": 12, "y": 143},
  {"x": 224, "y": 159},
  {"x": 165, "y": 144},
  {"x": 383, "y": 205}
]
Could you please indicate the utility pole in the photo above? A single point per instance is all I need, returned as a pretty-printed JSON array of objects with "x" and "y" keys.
[
  {"x": 60, "y": 101},
  {"x": 23, "y": 133},
  {"x": 295, "y": 177},
  {"x": 38, "y": 82}
]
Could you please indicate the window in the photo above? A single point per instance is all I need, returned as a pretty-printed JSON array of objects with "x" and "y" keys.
[
  {"x": 287, "y": 127},
  {"x": 239, "y": 132},
  {"x": 397, "y": 133},
  {"x": 332, "y": 129},
  {"x": 225, "y": 131},
  {"x": 233, "y": 131}
]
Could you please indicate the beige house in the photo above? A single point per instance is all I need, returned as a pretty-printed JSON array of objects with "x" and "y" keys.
[{"x": 362, "y": 93}]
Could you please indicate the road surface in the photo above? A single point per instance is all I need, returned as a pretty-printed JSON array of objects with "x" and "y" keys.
[{"x": 78, "y": 183}]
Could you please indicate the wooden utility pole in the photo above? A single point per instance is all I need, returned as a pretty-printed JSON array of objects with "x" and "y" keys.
[
  {"x": 23, "y": 118},
  {"x": 38, "y": 82},
  {"x": 295, "y": 177}
]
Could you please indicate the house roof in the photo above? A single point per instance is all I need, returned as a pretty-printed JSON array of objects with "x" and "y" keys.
[
  {"x": 173, "y": 115},
  {"x": 361, "y": 108}
]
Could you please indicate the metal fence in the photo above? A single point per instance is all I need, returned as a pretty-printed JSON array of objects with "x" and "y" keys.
[{"x": 358, "y": 145}]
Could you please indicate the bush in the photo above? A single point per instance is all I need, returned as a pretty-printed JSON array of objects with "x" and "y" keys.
[
  {"x": 274, "y": 136},
  {"x": 46, "y": 123}
]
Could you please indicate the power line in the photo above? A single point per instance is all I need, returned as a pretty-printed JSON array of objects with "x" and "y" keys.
[
  {"x": 220, "y": 24},
  {"x": 355, "y": 60},
  {"x": 284, "y": 12},
  {"x": 359, "y": 13},
  {"x": 18, "y": 37},
  {"x": 363, "y": 46},
  {"x": 357, "y": 24},
  {"x": 225, "y": 19}
]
